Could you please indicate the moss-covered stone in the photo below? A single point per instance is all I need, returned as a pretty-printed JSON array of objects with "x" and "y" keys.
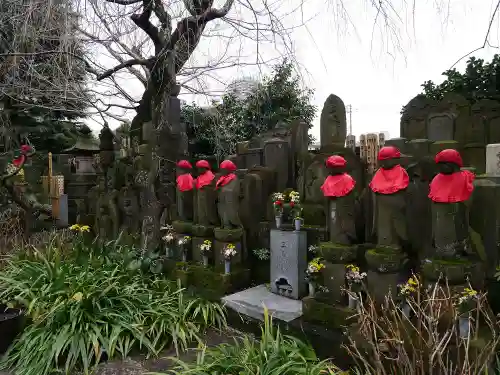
[
  {"x": 313, "y": 214},
  {"x": 183, "y": 227},
  {"x": 439, "y": 146},
  {"x": 199, "y": 230},
  {"x": 336, "y": 253},
  {"x": 325, "y": 314},
  {"x": 455, "y": 271},
  {"x": 228, "y": 235},
  {"x": 385, "y": 259},
  {"x": 210, "y": 282}
]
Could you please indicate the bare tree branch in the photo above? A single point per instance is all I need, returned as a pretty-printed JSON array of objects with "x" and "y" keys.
[{"x": 125, "y": 64}]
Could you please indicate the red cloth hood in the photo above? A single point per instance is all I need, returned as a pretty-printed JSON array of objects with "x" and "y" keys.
[
  {"x": 204, "y": 179},
  {"x": 185, "y": 182},
  {"x": 390, "y": 181},
  {"x": 338, "y": 185},
  {"x": 452, "y": 188},
  {"x": 224, "y": 180}
]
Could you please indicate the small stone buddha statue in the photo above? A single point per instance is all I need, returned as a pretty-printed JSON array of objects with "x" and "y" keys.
[
  {"x": 228, "y": 195},
  {"x": 185, "y": 186},
  {"x": 338, "y": 188},
  {"x": 450, "y": 190},
  {"x": 389, "y": 185},
  {"x": 206, "y": 207}
]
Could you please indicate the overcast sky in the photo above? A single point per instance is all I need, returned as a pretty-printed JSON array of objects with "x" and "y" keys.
[{"x": 374, "y": 67}]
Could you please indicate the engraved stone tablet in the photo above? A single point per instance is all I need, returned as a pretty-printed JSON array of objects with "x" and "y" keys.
[{"x": 288, "y": 263}]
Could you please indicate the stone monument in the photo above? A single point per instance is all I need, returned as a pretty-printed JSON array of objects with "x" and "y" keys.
[
  {"x": 333, "y": 124},
  {"x": 288, "y": 263},
  {"x": 385, "y": 262},
  {"x": 185, "y": 186},
  {"x": 338, "y": 189},
  {"x": 450, "y": 192}
]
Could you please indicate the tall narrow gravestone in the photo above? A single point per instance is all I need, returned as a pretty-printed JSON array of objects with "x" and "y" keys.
[{"x": 288, "y": 263}]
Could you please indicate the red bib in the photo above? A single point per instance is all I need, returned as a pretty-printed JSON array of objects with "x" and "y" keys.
[
  {"x": 204, "y": 179},
  {"x": 185, "y": 182},
  {"x": 452, "y": 188},
  {"x": 338, "y": 185},
  {"x": 389, "y": 181},
  {"x": 224, "y": 180}
]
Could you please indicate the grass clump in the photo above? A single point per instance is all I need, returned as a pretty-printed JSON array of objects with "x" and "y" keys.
[
  {"x": 274, "y": 354},
  {"x": 81, "y": 310}
]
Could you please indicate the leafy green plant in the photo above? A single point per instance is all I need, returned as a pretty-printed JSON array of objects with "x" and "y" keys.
[
  {"x": 274, "y": 354},
  {"x": 82, "y": 311}
]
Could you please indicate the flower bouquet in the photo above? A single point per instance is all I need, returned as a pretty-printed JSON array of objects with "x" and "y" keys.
[
  {"x": 228, "y": 252},
  {"x": 407, "y": 292},
  {"x": 355, "y": 280},
  {"x": 278, "y": 199},
  {"x": 205, "y": 249},
  {"x": 313, "y": 271},
  {"x": 183, "y": 241},
  {"x": 169, "y": 239},
  {"x": 467, "y": 301}
]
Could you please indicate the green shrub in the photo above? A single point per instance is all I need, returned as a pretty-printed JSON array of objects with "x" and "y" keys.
[
  {"x": 80, "y": 311},
  {"x": 274, "y": 354}
]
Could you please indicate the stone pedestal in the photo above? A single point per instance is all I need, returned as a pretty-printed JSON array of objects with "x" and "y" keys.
[
  {"x": 336, "y": 258},
  {"x": 202, "y": 233},
  {"x": 224, "y": 237},
  {"x": 288, "y": 263},
  {"x": 384, "y": 271}
]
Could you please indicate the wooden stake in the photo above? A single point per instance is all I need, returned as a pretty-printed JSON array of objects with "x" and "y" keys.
[{"x": 50, "y": 175}]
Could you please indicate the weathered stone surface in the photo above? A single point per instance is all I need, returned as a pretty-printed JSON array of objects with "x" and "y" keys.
[
  {"x": 126, "y": 367},
  {"x": 493, "y": 159},
  {"x": 228, "y": 204},
  {"x": 251, "y": 302},
  {"x": 333, "y": 122}
]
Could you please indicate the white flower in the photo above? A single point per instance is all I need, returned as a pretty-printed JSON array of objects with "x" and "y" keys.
[
  {"x": 168, "y": 238},
  {"x": 229, "y": 251}
]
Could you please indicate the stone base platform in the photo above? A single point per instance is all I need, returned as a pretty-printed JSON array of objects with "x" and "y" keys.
[{"x": 251, "y": 302}]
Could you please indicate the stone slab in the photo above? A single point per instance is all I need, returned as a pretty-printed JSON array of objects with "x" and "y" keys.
[
  {"x": 251, "y": 302},
  {"x": 493, "y": 159}
]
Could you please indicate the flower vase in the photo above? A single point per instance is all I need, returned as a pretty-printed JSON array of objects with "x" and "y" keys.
[
  {"x": 168, "y": 253},
  {"x": 405, "y": 308},
  {"x": 227, "y": 266},
  {"x": 298, "y": 224},
  {"x": 278, "y": 222},
  {"x": 205, "y": 260},
  {"x": 463, "y": 326},
  {"x": 312, "y": 290},
  {"x": 353, "y": 301},
  {"x": 184, "y": 256}
]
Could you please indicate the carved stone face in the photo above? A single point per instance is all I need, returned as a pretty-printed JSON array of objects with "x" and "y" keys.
[
  {"x": 224, "y": 172},
  {"x": 389, "y": 163},
  {"x": 448, "y": 168}
]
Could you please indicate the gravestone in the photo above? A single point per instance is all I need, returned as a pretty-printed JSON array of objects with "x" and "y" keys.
[
  {"x": 440, "y": 127},
  {"x": 288, "y": 263},
  {"x": 333, "y": 123},
  {"x": 493, "y": 159}
]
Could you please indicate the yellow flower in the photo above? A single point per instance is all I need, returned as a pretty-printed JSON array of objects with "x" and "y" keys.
[
  {"x": 75, "y": 227},
  {"x": 352, "y": 268},
  {"x": 84, "y": 228},
  {"x": 77, "y": 296}
]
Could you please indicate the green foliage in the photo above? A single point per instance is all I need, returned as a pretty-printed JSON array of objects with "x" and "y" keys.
[
  {"x": 83, "y": 308},
  {"x": 481, "y": 80},
  {"x": 278, "y": 99},
  {"x": 274, "y": 354}
]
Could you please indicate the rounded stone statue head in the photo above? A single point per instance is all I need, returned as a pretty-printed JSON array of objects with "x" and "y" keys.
[
  {"x": 336, "y": 164},
  {"x": 202, "y": 166},
  {"x": 227, "y": 167},
  {"x": 449, "y": 161},
  {"x": 388, "y": 157},
  {"x": 183, "y": 167}
]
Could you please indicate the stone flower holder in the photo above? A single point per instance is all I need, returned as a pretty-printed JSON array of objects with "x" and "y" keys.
[
  {"x": 384, "y": 267},
  {"x": 336, "y": 257}
]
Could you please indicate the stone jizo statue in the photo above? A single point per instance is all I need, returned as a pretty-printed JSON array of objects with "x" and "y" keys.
[
  {"x": 338, "y": 188},
  {"x": 185, "y": 186},
  {"x": 450, "y": 190},
  {"x": 389, "y": 186},
  {"x": 228, "y": 196},
  {"x": 205, "y": 201}
]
